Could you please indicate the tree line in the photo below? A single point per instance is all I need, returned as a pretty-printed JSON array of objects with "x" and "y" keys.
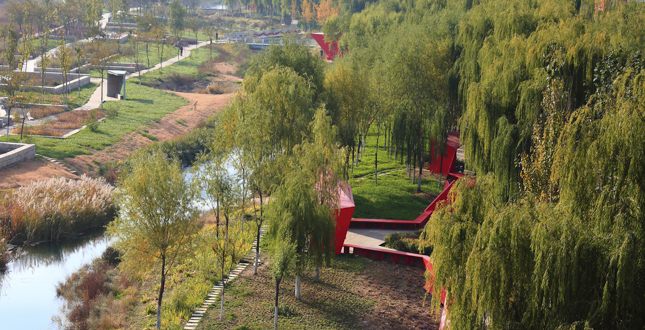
[{"x": 548, "y": 96}]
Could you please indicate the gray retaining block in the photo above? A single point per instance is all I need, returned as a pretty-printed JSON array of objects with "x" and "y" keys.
[{"x": 13, "y": 153}]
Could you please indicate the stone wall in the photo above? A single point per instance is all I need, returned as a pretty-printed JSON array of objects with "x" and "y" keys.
[{"x": 12, "y": 153}]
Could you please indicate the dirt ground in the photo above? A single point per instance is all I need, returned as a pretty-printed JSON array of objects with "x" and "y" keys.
[
  {"x": 381, "y": 296},
  {"x": 166, "y": 129},
  {"x": 33, "y": 170}
]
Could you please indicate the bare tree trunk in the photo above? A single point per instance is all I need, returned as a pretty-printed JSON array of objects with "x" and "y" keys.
[
  {"x": 420, "y": 169},
  {"x": 257, "y": 238},
  {"x": 277, "y": 291},
  {"x": 23, "y": 125},
  {"x": 102, "y": 89},
  {"x": 221, "y": 309},
  {"x": 378, "y": 134},
  {"x": 161, "y": 289},
  {"x": 317, "y": 277},
  {"x": 298, "y": 287}
]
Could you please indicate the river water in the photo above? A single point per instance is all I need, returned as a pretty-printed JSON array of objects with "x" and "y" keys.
[{"x": 28, "y": 286}]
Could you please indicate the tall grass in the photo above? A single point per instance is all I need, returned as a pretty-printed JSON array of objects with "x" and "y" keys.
[{"x": 56, "y": 208}]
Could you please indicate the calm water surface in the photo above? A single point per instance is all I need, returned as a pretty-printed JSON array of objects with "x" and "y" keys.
[{"x": 28, "y": 287}]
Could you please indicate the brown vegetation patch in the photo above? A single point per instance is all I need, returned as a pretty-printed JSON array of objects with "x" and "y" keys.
[
  {"x": 219, "y": 87},
  {"x": 38, "y": 113},
  {"x": 64, "y": 124}
]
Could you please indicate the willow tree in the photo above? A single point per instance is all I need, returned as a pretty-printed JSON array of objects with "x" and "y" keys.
[
  {"x": 291, "y": 54},
  {"x": 282, "y": 100},
  {"x": 416, "y": 73},
  {"x": 346, "y": 93},
  {"x": 572, "y": 263},
  {"x": 301, "y": 209},
  {"x": 157, "y": 218}
]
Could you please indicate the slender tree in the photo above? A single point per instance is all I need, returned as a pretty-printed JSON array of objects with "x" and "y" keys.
[{"x": 157, "y": 216}]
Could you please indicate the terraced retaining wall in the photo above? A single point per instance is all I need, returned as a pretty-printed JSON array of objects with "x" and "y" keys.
[{"x": 12, "y": 153}]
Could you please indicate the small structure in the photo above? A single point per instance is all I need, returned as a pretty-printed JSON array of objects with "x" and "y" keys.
[
  {"x": 331, "y": 50},
  {"x": 116, "y": 83},
  {"x": 343, "y": 215}
]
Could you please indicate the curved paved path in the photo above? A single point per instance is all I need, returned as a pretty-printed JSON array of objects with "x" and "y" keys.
[{"x": 95, "y": 100}]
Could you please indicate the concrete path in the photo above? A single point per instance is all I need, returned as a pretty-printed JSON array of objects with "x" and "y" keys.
[
  {"x": 95, "y": 100},
  {"x": 370, "y": 237}
]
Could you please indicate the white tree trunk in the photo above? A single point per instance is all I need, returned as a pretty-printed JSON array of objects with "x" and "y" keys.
[
  {"x": 317, "y": 278},
  {"x": 221, "y": 310},
  {"x": 257, "y": 256},
  {"x": 275, "y": 319},
  {"x": 158, "y": 316},
  {"x": 297, "y": 287}
]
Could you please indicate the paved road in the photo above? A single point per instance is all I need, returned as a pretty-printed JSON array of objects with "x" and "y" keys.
[
  {"x": 370, "y": 237},
  {"x": 95, "y": 100}
]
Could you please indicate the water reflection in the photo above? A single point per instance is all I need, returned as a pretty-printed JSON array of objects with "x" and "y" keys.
[{"x": 28, "y": 286}]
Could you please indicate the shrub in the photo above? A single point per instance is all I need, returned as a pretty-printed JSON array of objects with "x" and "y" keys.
[
  {"x": 219, "y": 88},
  {"x": 4, "y": 251},
  {"x": 93, "y": 126},
  {"x": 111, "y": 113},
  {"x": 111, "y": 256},
  {"x": 406, "y": 242},
  {"x": 287, "y": 310}
]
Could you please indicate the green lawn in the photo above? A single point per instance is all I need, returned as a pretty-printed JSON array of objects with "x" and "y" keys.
[
  {"x": 395, "y": 196},
  {"x": 201, "y": 36},
  {"x": 50, "y": 44},
  {"x": 143, "y": 105},
  {"x": 187, "y": 66},
  {"x": 74, "y": 100}
]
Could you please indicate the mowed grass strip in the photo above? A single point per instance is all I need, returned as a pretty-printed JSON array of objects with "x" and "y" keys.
[
  {"x": 394, "y": 197},
  {"x": 354, "y": 293},
  {"x": 74, "y": 101},
  {"x": 143, "y": 106},
  {"x": 188, "y": 66}
]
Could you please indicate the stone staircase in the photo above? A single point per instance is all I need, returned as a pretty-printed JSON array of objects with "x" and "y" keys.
[{"x": 199, "y": 313}]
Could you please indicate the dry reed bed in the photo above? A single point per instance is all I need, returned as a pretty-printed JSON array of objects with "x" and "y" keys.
[{"x": 55, "y": 208}]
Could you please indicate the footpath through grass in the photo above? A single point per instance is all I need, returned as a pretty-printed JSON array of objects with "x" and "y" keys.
[
  {"x": 394, "y": 197},
  {"x": 188, "y": 66},
  {"x": 143, "y": 106}
]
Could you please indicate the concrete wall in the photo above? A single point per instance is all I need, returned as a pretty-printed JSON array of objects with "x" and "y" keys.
[
  {"x": 12, "y": 153},
  {"x": 75, "y": 80},
  {"x": 72, "y": 85}
]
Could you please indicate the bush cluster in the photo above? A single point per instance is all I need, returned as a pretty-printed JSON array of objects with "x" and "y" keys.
[{"x": 407, "y": 242}]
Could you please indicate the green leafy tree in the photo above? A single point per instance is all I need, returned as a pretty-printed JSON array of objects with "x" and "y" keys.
[
  {"x": 177, "y": 16},
  {"x": 303, "y": 204},
  {"x": 157, "y": 219}
]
